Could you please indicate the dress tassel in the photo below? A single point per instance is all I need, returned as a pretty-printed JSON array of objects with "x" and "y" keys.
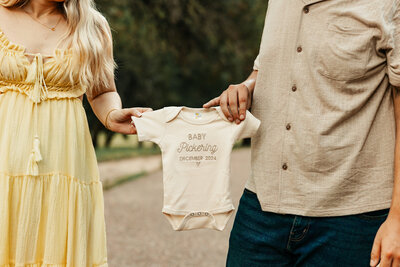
[
  {"x": 34, "y": 158},
  {"x": 39, "y": 92}
]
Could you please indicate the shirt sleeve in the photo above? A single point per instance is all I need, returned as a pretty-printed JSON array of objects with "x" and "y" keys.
[
  {"x": 393, "y": 55},
  {"x": 256, "y": 65},
  {"x": 248, "y": 127},
  {"x": 150, "y": 126}
]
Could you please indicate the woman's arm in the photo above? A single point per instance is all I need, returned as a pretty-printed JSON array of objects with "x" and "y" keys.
[
  {"x": 108, "y": 106},
  {"x": 387, "y": 241},
  {"x": 235, "y": 100}
]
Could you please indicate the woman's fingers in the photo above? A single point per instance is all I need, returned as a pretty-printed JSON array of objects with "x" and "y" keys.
[{"x": 143, "y": 110}]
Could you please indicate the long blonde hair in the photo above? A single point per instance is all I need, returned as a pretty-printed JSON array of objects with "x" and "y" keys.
[{"x": 90, "y": 39}]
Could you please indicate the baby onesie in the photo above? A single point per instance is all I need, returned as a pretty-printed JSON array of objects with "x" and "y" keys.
[{"x": 196, "y": 145}]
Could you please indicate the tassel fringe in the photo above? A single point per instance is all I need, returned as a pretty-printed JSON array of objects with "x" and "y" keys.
[
  {"x": 39, "y": 93},
  {"x": 35, "y": 74},
  {"x": 34, "y": 158}
]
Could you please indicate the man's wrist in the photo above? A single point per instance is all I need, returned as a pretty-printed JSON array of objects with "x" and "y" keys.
[{"x": 250, "y": 84}]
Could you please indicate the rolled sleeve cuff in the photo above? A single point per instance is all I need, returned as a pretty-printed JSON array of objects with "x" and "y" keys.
[
  {"x": 394, "y": 75},
  {"x": 256, "y": 65}
]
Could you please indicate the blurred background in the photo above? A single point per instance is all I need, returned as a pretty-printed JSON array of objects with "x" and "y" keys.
[{"x": 169, "y": 52}]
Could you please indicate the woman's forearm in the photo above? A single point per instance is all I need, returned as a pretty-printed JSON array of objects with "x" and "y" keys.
[{"x": 105, "y": 102}]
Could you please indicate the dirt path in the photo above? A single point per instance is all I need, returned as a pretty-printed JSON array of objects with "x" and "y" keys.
[{"x": 139, "y": 235}]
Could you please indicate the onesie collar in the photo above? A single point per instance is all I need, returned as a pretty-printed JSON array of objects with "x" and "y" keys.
[{"x": 173, "y": 111}]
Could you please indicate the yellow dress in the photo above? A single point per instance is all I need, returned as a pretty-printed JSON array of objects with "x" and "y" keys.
[{"x": 51, "y": 198}]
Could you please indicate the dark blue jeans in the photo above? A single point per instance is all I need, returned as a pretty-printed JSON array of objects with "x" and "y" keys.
[{"x": 260, "y": 238}]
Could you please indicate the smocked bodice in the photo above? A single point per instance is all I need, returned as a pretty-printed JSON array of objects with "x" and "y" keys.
[{"x": 18, "y": 73}]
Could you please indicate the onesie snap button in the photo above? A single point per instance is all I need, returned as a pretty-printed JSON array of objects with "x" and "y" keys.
[
  {"x": 199, "y": 213},
  {"x": 192, "y": 214},
  {"x": 206, "y": 213}
]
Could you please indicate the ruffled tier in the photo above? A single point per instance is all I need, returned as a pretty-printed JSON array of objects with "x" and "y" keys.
[
  {"x": 51, "y": 220},
  {"x": 46, "y": 265},
  {"x": 65, "y": 141}
]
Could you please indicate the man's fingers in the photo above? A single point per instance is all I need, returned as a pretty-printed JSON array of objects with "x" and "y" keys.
[
  {"x": 233, "y": 104},
  {"x": 243, "y": 95},
  {"x": 386, "y": 257},
  {"x": 212, "y": 102},
  {"x": 376, "y": 251},
  {"x": 396, "y": 262},
  {"x": 223, "y": 102}
]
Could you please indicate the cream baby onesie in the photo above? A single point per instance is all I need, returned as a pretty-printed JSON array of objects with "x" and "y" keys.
[{"x": 196, "y": 145}]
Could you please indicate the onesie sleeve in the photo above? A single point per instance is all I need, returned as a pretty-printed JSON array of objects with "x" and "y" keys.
[
  {"x": 248, "y": 127},
  {"x": 393, "y": 55},
  {"x": 150, "y": 126}
]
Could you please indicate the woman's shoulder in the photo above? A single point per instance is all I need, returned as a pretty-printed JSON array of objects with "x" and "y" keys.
[{"x": 6, "y": 14}]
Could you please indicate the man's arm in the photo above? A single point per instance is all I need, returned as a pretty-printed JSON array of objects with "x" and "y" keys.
[
  {"x": 387, "y": 241},
  {"x": 395, "y": 206}
]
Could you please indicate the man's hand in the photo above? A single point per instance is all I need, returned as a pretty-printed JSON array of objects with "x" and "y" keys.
[
  {"x": 234, "y": 102},
  {"x": 387, "y": 243}
]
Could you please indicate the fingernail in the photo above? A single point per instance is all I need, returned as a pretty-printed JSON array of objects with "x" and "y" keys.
[
  {"x": 371, "y": 263},
  {"x": 237, "y": 121},
  {"x": 242, "y": 117},
  {"x": 230, "y": 118},
  {"x": 138, "y": 113}
]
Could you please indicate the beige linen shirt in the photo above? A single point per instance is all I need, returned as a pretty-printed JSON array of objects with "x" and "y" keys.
[{"x": 323, "y": 94}]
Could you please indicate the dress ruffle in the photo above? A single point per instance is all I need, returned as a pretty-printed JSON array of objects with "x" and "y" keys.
[{"x": 44, "y": 215}]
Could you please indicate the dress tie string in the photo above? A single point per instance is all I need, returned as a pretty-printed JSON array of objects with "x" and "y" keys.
[{"x": 38, "y": 93}]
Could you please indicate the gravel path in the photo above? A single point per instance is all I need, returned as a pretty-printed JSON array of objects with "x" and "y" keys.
[{"x": 139, "y": 235}]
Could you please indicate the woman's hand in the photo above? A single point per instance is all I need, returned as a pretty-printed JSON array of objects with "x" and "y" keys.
[
  {"x": 120, "y": 121},
  {"x": 386, "y": 246},
  {"x": 234, "y": 102}
]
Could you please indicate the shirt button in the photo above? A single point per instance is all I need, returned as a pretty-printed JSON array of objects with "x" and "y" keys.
[
  {"x": 306, "y": 9},
  {"x": 284, "y": 166},
  {"x": 294, "y": 88},
  {"x": 299, "y": 49},
  {"x": 288, "y": 126}
]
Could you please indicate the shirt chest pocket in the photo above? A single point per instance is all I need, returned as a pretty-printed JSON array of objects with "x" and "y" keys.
[{"x": 344, "y": 51}]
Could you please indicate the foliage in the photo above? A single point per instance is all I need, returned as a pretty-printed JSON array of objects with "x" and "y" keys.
[{"x": 180, "y": 52}]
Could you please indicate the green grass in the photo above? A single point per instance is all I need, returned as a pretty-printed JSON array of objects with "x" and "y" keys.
[
  {"x": 116, "y": 153},
  {"x": 121, "y": 180}
]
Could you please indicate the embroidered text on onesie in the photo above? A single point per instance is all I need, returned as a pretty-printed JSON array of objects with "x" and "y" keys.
[{"x": 196, "y": 145}]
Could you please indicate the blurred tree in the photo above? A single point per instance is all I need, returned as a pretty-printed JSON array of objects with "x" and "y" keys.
[{"x": 180, "y": 52}]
